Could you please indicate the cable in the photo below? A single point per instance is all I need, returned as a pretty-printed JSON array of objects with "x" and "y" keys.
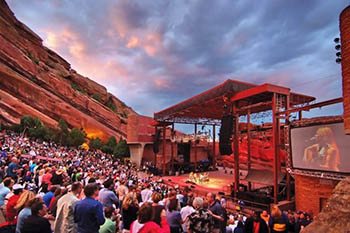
[{"x": 314, "y": 80}]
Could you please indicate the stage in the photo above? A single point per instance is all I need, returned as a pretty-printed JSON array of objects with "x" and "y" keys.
[{"x": 218, "y": 182}]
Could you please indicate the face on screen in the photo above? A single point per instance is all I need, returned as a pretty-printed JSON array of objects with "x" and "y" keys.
[{"x": 322, "y": 147}]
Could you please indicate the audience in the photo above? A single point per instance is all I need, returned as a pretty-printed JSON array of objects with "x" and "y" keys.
[{"x": 117, "y": 197}]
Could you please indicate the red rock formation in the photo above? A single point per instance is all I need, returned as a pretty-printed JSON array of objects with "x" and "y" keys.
[
  {"x": 345, "y": 55},
  {"x": 36, "y": 81}
]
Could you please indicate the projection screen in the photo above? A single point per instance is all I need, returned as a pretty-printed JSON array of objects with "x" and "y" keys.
[{"x": 321, "y": 147}]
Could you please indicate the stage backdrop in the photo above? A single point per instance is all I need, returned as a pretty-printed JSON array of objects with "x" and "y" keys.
[{"x": 322, "y": 147}]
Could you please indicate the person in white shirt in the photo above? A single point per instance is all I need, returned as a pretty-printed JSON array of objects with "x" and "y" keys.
[
  {"x": 146, "y": 193},
  {"x": 185, "y": 212},
  {"x": 65, "y": 210}
]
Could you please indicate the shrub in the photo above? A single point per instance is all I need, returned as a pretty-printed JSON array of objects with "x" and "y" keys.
[
  {"x": 95, "y": 143},
  {"x": 96, "y": 97},
  {"x": 121, "y": 149},
  {"x": 109, "y": 146},
  {"x": 76, "y": 137},
  {"x": 111, "y": 105}
]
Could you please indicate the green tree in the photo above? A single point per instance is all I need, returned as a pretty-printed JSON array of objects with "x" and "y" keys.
[
  {"x": 28, "y": 122},
  {"x": 109, "y": 146},
  {"x": 95, "y": 143},
  {"x": 40, "y": 132},
  {"x": 61, "y": 136},
  {"x": 76, "y": 137},
  {"x": 122, "y": 149},
  {"x": 63, "y": 126}
]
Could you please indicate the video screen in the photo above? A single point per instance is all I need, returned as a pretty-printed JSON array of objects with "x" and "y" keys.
[{"x": 321, "y": 147}]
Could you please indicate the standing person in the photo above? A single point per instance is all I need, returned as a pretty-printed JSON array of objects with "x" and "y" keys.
[
  {"x": 109, "y": 226},
  {"x": 144, "y": 224},
  {"x": 185, "y": 212},
  {"x": 65, "y": 210},
  {"x": 36, "y": 222},
  {"x": 173, "y": 216},
  {"x": 106, "y": 196},
  {"x": 11, "y": 212},
  {"x": 130, "y": 207},
  {"x": 5, "y": 189},
  {"x": 157, "y": 209},
  {"x": 49, "y": 195},
  {"x": 26, "y": 200},
  {"x": 47, "y": 177},
  {"x": 278, "y": 221},
  {"x": 146, "y": 193},
  {"x": 88, "y": 213},
  {"x": 12, "y": 168},
  {"x": 201, "y": 220},
  {"x": 239, "y": 228},
  {"x": 265, "y": 216},
  {"x": 57, "y": 177},
  {"x": 216, "y": 210},
  {"x": 255, "y": 224},
  {"x": 122, "y": 190}
]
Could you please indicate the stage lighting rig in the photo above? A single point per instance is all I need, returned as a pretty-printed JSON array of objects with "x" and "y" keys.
[{"x": 337, "y": 47}]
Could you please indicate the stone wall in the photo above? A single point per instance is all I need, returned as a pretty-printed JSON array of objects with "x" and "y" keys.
[
  {"x": 335, "y": 217},
  {"x": 312, "y": 192}
]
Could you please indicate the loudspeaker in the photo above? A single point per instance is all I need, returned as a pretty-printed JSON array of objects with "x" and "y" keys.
[
  {"x": 156, "y": 141},
  {"x": 225, "y": 135}
]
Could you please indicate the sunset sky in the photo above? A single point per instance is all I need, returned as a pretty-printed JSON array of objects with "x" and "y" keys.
[{"x": 154, "y": 53}]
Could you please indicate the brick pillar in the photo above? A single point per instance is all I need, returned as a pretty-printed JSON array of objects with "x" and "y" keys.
[
  {"x": 132, "y": 128},
  {"x": 345, "y": 54}
]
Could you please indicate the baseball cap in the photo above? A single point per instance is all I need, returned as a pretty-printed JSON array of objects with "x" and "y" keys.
[{"x": 17, "y": 186}]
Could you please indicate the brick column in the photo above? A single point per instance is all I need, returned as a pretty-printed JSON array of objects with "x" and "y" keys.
[{"x": 345, "y": 54}]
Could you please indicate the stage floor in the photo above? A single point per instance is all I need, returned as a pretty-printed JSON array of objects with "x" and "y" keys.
[{"x": 218, "y": 182}]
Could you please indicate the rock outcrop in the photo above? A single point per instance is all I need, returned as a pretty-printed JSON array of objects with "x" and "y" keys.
[
  {"x": 35, "y": 80},
  {"x": 334, "y": 218}
]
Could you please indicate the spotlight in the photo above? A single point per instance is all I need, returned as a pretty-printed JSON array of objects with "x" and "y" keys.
[
  {"x": 337, "y": 47},
  {"x": 336, "y": 40},
  {"x": 338, "y": 54},
  {"x": 338, "y": 60}
]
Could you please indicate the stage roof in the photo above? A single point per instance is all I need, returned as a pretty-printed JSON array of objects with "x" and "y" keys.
[{"x": 208, "y": 107}]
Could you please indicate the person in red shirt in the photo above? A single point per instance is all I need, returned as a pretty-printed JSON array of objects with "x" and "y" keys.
[
  {"x": 11, "y": 211},
  {"x": 144, "y": 224},
  {"x": 47, "y": 177}
]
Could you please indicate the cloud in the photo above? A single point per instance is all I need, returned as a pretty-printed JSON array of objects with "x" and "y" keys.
[{"x": 155, "y": 53}]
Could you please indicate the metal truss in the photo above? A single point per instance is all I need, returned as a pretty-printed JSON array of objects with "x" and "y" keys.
[{"x": 187, "y": 120}]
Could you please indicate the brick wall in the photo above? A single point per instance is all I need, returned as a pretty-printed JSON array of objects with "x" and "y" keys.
[
  {"x": 345, "y": 52},
  {"x": 311, "y": 192}
]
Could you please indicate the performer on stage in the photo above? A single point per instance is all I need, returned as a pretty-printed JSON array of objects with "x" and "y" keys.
[{"x": 324, "y": 153}]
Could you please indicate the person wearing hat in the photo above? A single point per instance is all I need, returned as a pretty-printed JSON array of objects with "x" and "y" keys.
[
  {"x": 11, "y": 212},
  {"x": 57, "y": 177}
]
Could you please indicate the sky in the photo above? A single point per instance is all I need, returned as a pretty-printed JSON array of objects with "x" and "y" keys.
[{"x": 155, "y": 53}]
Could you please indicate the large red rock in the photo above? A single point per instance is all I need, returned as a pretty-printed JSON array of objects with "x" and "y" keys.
[{"x": 35, "y": 80}]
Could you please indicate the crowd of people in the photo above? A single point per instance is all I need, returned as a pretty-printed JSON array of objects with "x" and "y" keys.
[{"x": 46, "y": 187}]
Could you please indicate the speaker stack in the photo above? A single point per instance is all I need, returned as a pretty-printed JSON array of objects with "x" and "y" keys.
[
  {"x": 156, "y": 141},
  {"x": 225, "y": 135}
]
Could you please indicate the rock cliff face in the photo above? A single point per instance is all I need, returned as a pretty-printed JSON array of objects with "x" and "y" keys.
[
  {"x": 335, "y": 217},
  {"x": 36, "y": 81}
]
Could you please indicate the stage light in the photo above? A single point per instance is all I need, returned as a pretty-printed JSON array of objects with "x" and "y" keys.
[
  {"x": 337, "y": 47},
  {"x": 336, "y": 40},
  {"x": 338, "y": 54},
  {"x": 338, "y": 60}
]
